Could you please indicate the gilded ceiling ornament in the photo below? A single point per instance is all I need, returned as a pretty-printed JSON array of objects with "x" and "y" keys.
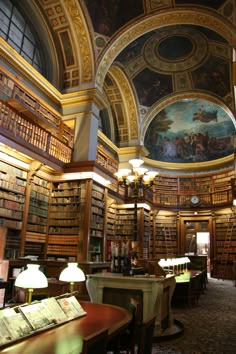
[
  {"x": 82, "y": 37},
  {"x": 197, "y": 50}
]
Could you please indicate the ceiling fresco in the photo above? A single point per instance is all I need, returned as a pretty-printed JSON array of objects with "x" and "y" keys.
[{"x": 190, "y": 131}]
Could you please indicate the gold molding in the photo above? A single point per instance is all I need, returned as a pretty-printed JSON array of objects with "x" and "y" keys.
[
  {"x": 192, "y": 167},
  {"x": 82, "y": 37},
  {"x": 23, "y": 67},
  {"x": 166, "y": 18},
  {"x": 128, "y": 99},
  {"x": 104, "y": 140}
]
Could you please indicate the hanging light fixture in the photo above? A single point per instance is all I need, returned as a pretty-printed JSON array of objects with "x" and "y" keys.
[{"x": 137, "y": 179}]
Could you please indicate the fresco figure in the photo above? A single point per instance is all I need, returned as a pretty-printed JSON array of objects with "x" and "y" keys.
[
  {"x": 169, "y": 149},
  {"x": 205, "y": 116}
]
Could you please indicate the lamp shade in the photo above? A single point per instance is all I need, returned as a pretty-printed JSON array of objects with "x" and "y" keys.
[
  {"x": 31, "y": 278},
  {"x": 72, "y": 273}
]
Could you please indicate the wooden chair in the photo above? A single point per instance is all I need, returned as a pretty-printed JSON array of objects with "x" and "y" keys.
[
  {"x": 96, "y": 343},
  {"x": 146, "y": 335},
  {"x": 129, "y": 339}
]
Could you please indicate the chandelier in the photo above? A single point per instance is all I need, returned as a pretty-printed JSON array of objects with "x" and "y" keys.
[{"x": 137, "y": 180}]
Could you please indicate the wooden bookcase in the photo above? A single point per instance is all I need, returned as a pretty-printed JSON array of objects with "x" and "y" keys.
[
  {"x": 165, "y": 191},
  {"x": 144, "y": 232},
  {"x": 12, "y": 192},
  {"x": 164, "y": 239},
  {"x": 124, "y": 224},
  {"x": 225, "y": 244},
  {"x": 96, "y": 246},
  {"x": 67, "y": 198},
  {"x": 37, "y": 218},
  {"x": 26, "y": 118},
  {"x": 212, "y": 190}
]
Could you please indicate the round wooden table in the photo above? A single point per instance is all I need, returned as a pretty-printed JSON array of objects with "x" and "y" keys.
[{"x": 68, "y": 338}]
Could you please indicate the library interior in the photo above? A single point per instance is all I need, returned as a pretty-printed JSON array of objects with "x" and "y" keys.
[{"x": 117, "y": 142}]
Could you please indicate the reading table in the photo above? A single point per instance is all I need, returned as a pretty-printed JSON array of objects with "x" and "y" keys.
[{"x": 68, "y": 338}]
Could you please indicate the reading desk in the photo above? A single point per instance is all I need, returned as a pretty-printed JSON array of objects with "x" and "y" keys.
[{"x": 68, "y": 337}]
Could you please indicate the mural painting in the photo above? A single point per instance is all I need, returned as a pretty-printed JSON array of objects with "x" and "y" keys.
[{"x": 190, "y": 131}]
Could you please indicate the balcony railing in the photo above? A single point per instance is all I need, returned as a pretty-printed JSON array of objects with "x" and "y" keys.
[{"x": 16, "y": 127}]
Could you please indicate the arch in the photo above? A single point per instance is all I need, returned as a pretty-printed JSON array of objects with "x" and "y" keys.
[
  {"x": 129, "y": 105},
  {"x": 73, "y": 54}
]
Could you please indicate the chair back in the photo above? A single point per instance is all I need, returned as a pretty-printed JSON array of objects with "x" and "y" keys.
[
  {"x": 146, "y": 336},
  {"x": 96, "y": 343}
]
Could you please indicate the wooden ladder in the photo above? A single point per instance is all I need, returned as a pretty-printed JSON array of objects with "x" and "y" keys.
[
  {"x": 225, "y": 250},
  {"x": 169, "y": 243}
]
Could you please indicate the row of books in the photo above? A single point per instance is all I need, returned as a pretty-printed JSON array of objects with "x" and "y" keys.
[
  {"x": 12, "y": 196},
  {"x": 36, "y": 228},
  {"x": 13, "y": 214},
  {"x": 62, "y": 250},
  {"x": 39, "y": 192},
  {"x": 12, "y": 186},
  {"x": 12, "y": 170},
  {"x": 9, "y": 204},
  {"x": 63, "y": 230},
  {"x": 25, "y": 320}
]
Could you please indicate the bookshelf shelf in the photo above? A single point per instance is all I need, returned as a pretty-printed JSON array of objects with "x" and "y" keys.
[
  {"x": 12, "y": 194},
  {"x": 164, "y": 242},
  {"x": 65, "y": 219},
  {"x": 97, "y": 220}
]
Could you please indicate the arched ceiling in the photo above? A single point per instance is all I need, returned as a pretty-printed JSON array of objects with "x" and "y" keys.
[
  {"x": 170, "y": 52},
  {"x": 148, "y": 55}
]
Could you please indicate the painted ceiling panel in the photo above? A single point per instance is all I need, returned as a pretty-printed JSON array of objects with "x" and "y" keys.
[
  {"x": 108, "y": 16},
  {"x": 154, "y": 61}
]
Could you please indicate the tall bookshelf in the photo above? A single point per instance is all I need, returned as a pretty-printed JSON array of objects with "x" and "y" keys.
[
  {"x": 225, "y": 224},
  {"x": 124, "y": 225},
  {"x": 164, "y": 240},
  {"x": 65, "y": 220},
  {"x": 97, "y": 219},
  {"x": 110, "y": 227},
  {"x": 37, "y": 220},
  {"x": 144, "y": 232},
  {"x": 12, "y": 199}
]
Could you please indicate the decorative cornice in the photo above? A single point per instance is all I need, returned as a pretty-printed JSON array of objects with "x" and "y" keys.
[
  {"x": 192, "y": 167},
  {"x": 90, "y": 96}
]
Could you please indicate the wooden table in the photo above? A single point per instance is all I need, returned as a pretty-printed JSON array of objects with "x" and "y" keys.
[
  {"x": 188, "y": 288},
  {"x": 4, "y": 285},
  {"x": 68, "y": 338}
]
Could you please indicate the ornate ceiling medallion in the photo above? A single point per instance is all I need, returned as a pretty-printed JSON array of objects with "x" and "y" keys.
[{"x": 166, "y": 51}]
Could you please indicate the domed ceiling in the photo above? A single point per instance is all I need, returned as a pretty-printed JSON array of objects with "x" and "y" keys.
[{"x": 180, "y": 75}]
